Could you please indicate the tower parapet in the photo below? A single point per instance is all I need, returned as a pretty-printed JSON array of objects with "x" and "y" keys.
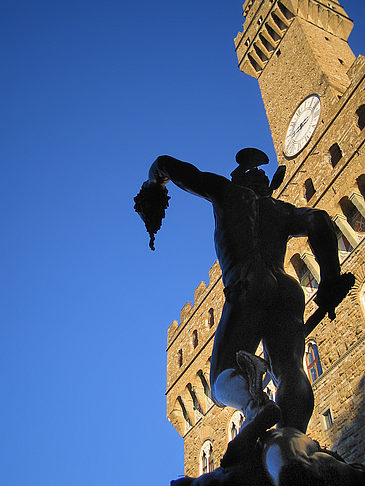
[
  {"x": 267, "y": 22},
  {"x": 200, "y": 294}
]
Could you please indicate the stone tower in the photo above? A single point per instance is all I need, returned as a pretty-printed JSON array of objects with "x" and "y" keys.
[{"x": 313, "y": 91}]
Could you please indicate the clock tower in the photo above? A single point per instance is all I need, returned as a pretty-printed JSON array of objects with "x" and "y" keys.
[{"x": 298, "y": 51}]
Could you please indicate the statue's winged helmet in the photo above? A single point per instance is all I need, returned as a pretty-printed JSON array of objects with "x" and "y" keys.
[{"x": 248, "y": 160}]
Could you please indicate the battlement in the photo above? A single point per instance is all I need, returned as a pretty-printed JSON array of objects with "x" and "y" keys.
[
  {"x": 189, "y": 309},
  {"x": 267, "y": 22}
]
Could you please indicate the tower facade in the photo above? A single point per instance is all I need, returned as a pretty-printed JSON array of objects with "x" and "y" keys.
[{"x": 313, "y": 91}]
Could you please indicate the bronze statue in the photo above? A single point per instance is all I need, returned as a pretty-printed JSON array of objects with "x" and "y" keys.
[{"x": 262, "y": 301}]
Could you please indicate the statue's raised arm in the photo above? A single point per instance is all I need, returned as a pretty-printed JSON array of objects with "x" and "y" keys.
[{"x": 152, "y": 200}]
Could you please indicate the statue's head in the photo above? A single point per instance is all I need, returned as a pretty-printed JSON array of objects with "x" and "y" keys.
[
  {"x": 248, "y": 175},
  {"x": 254, "y": 179}
]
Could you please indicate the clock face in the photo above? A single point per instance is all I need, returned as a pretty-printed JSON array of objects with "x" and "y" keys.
[{"x": 302, "y": 125}]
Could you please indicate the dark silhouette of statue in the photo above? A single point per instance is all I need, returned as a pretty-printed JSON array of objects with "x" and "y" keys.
[{"x": 262, "y": 302}]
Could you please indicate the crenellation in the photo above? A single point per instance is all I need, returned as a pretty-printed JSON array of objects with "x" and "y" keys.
[
  {"x": 171, "y": 331},
  {"x": 185, "y": 313},
  {"x": 199, "y": 292}
]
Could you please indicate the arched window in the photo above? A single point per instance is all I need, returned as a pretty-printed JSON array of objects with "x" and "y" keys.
[
  {"x": 274, "y": 35},
  {"x": 335, "y": 154},
  {"x": 235, "y": 425},
  {"x": 196, "y": 405},
  {"x": 344, "y": 246},
  {"x": 180, "y": 357},
  {"x": 327, "y": 419},
  {"x": 259, "y": 52},
  {"x": 195, "y": 338},
  {"x": 211, "y": 317},
  {"x": 254, "y": 63},
  {"x": 187, "y": 420},
  {"x": 313, "y": 362},
  {"x": 207, "y": 393},
  {"x": 266, "y": 43},
  {"x": 305, "y": 277},
  {"x": 360, "y": 112},
  {"x": 361, "y": 184},
  {"x": 206, "y": 458},
  {"x": 278, "y": 21},
  {"x": 288, "y": 15},
  {"x": 309, "y": 189},
  {"x": 355, "y": 219}
]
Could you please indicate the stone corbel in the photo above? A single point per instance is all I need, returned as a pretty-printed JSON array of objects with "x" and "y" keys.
[
  {"x": 358, "y": 201},
  {"x": 310, "y": 261},
  {"x": 346, "y": 229}
]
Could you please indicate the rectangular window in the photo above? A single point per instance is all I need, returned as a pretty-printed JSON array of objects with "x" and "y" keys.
[{"x": 327, "y": 419}]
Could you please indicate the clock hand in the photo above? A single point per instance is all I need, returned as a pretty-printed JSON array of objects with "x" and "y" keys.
[{"x": 301, "y": 125}]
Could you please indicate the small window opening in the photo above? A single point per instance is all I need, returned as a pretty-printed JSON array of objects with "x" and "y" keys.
[
  {"x": 309, "y": 189},
  {"x": 196, "y": 404},
  {"x": 278, "y": 21},
  {"x": 211, "y": 317},
  {"x": 327, "y": 419},
  {"x": 260, "y": 54},
  {"x": 180, "y": 357},
  {"x": 195, "y": 338},
  {"x": 247, "y": 43},
  {"x": 274, "y": 35},
  {"x": 287, "y": 14},
  {"x": 266, "y": 43},
  {"x": 360, "y": 112},
  {"x": 335, "y": 154},
  {"x": 254, "y": 63},
  {"x": 340, "y": 61},
  {"x": 206, "y": 388},
  {"x": 259, "y": 22},
  {"x": 278, "y": 53},
  {"x": 188, "y": 423}
]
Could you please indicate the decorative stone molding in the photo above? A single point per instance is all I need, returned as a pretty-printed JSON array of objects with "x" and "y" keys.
[
  {"x": 346, "y": 229},
  {"x": 310, "y": 261},
  {"x": 358, "y": 201}
]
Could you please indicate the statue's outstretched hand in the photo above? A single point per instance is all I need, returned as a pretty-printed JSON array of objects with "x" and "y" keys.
[
  {"x": 151, "y": 203},
  {"x": 332, "y": 292}
]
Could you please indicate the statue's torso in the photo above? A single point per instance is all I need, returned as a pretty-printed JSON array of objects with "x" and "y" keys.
[{"x": 250, "y": 235}]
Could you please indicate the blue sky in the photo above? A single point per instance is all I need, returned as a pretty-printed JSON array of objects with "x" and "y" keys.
[{"x": 92, "y": 92}]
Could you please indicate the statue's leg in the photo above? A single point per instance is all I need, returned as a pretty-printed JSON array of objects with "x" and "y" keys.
[
  {"x": 236, "y": 331},
  {"x": 284, "y": 344}
]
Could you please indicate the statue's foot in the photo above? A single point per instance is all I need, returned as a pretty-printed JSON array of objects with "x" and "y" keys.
[
  {"x": 267, "y": 417},
  {"x": 243, "y": 445}
]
